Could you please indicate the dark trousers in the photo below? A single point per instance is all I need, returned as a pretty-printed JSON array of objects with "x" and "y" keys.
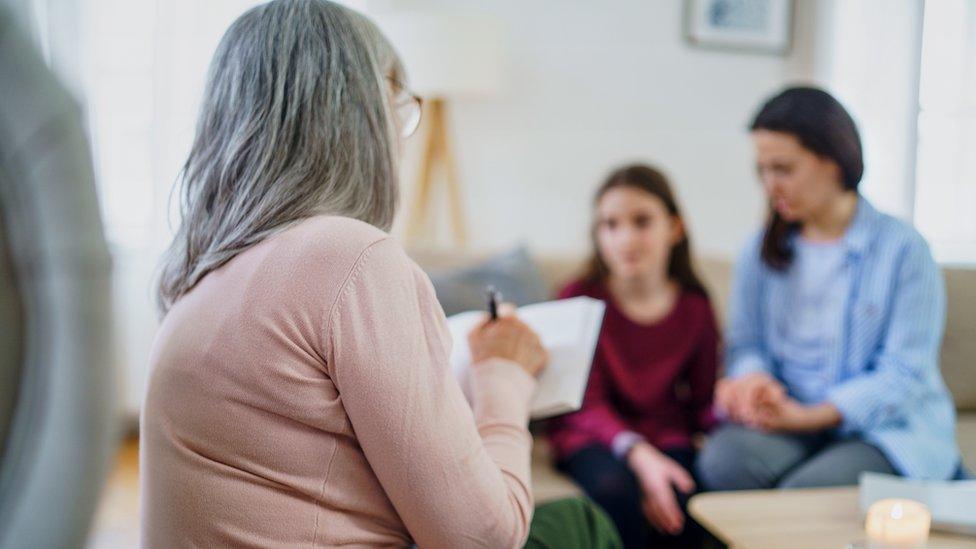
[{"x": 610, "y": 483}]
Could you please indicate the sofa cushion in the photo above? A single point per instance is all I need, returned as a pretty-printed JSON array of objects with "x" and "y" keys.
[
  {"x": 513, "y": 273},
  {"x": 716, "y": 274},
  {"x": 959, "y": 345},
  {"x": 966, "y": 433}
]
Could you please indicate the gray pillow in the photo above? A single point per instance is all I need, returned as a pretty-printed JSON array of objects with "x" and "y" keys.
[{"x": 513, "y": 273}]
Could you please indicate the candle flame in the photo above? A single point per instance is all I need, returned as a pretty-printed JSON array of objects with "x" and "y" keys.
[{"x": 897, "y": 511}]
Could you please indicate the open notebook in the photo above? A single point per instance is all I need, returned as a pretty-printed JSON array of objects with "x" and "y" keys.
[{"x": 568, "y": 328}]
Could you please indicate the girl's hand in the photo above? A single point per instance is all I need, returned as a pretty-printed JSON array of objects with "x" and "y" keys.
[{"x": 659, "y": 475}]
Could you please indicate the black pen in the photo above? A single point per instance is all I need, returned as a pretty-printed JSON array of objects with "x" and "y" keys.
[{"x": 493, "y": 297}]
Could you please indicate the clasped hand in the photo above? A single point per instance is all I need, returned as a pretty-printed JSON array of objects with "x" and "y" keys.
[{"x": 760, "y": 401}]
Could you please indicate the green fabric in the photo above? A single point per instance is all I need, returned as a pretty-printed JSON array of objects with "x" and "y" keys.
[{"x": 572, "y": 523}]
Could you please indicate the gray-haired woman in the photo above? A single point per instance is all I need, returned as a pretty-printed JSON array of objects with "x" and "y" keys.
[{"x": 300, "y": 392}]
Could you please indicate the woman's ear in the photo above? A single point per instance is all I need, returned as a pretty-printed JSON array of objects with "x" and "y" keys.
[
  {"x": 834, "y": 170},
  {"x": 677, "y": 229},
  {"x": 839, "y": 174}
]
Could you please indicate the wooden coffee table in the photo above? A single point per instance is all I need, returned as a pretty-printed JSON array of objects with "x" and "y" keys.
[{"x": 797, "y": 519}]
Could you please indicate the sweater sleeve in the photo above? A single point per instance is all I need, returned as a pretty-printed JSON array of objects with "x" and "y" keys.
[{"x": 456, "y": 477}]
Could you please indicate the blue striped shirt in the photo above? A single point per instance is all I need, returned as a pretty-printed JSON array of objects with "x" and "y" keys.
[
  {"x": 881, "y": 366},
  {"x": 818, "y": 282}
]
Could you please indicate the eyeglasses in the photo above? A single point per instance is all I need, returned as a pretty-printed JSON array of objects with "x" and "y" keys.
[{"x": 408, "y": 107}]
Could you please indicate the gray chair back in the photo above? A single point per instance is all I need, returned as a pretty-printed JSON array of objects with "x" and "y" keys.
[{"x": 58, "y": 420}]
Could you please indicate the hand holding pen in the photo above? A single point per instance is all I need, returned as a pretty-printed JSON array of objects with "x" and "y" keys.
[{"x": 503, "y": 335}]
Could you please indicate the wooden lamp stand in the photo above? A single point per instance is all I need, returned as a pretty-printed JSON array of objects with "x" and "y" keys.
[{"x": 436, "y": 151}]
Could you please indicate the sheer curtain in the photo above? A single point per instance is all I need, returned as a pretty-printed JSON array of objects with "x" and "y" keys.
[
  {"x": 945, "y": 201},
  {"x": 146, "y": 65},
  {"x": 870, "y": 61},
  {"x": 907, "y": 70}
]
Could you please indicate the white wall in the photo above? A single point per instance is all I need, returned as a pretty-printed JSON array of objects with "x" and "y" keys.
[{"x": 592, "y": 85}]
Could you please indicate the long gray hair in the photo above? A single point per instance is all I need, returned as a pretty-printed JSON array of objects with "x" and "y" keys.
[{"x": 295, "y": 121}]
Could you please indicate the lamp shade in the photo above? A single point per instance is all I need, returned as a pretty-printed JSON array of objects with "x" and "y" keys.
[{"x": 448, "y": 55}]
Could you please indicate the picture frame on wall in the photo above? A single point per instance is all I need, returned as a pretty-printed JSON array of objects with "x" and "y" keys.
[{"x": 758, "y": 26}]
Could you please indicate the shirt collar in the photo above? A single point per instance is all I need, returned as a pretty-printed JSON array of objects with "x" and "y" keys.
[{"x": 862, "y": 228}]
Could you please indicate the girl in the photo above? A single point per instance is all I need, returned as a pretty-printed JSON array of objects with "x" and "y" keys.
[{"x": 650, "y": 390}]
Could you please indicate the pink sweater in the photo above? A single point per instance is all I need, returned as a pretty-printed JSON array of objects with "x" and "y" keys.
[{"x": 301, "y": 396}]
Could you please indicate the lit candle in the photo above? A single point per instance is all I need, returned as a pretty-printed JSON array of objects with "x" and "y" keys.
[{"x": 898, "y": 524}]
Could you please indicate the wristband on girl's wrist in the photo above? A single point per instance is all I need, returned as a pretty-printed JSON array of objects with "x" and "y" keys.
[{"x": 624, "y": 442}]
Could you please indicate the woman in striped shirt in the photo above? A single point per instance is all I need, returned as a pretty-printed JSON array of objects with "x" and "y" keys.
[{"x": 837, "y": 315}]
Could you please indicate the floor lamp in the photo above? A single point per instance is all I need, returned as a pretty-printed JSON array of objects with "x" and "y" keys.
[
  {"x": 447, "y": 57},
  {"x": 436, "y": 152}
]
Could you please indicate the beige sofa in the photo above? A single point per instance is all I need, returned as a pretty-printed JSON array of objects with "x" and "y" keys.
[{"x": 958, "y": 350}]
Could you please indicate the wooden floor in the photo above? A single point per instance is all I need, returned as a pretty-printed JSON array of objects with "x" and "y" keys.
[{"x": 117, "y": 521}]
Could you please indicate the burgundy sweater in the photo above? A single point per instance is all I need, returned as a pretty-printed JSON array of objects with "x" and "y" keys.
[{"x": 656, "y": 380}]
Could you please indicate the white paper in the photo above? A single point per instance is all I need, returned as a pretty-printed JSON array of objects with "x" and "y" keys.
[{"x": 568, "y": 328}]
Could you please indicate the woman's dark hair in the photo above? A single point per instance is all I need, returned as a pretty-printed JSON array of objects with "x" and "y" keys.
[
  {"x": 822, "y": 126},
  {"x": 653, "y": 182}
]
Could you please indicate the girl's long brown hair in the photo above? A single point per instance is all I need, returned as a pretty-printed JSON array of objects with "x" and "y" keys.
[{"x": 652, "y": 181}]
